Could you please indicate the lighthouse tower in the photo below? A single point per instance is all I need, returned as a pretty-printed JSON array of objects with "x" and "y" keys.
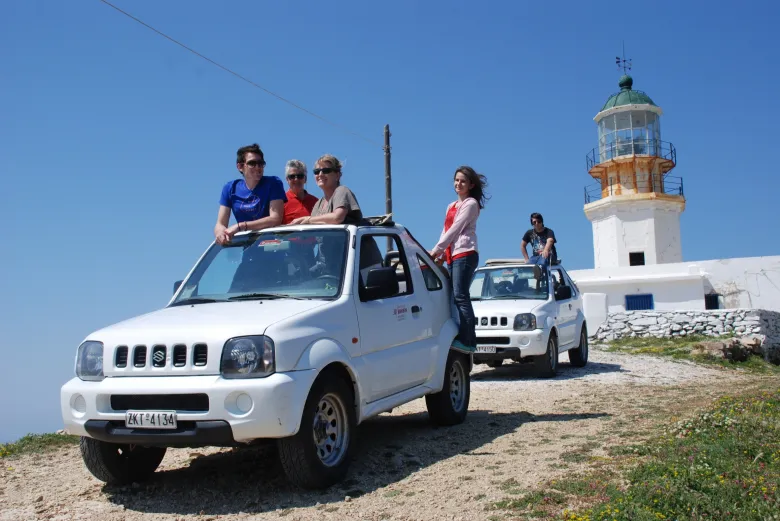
[{"x": 635, "y": 205}]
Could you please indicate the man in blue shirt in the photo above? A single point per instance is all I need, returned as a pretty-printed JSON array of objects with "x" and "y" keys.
[{"x": 257, "y": 200}]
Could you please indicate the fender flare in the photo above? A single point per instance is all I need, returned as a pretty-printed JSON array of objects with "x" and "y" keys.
[{"x": 324, "y": 352}]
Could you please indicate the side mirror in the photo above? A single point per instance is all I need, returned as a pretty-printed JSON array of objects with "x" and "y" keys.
[
  {"x": 380, "y": 283},
  {"x": 563, "y": 293},
  {"x": 176, "y": 286}
]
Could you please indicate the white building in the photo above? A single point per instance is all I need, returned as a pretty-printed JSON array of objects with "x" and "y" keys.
[{"x": 635, "y": 208}]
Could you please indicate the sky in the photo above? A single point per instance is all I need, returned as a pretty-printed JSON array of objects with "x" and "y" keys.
[{"x": 115, "y": 142}]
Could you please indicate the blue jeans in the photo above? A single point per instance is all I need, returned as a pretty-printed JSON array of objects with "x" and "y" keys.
[
  {"x": 462, "y": 273},
  {"x": 538, "y": 259}
]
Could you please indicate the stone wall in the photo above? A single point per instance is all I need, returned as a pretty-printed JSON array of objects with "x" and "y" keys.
[{"x": 759, "y": 323}]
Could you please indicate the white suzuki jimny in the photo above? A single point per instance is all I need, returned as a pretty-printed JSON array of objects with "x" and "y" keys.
[
  {"x": 528, "y": 312},
  {"x": 295, "y": 333}
]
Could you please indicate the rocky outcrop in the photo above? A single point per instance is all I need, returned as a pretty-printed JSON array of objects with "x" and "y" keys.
[{"x": 759, "y": 327}]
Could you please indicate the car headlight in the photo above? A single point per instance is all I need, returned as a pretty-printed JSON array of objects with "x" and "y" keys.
[
  {"x": 525, "y": 322},
  {"x": 89, "y": 361},
  {"x": 248, "y": 357}
]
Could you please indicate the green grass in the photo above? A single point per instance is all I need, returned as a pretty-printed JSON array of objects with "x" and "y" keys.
[
  {"x": 36, "y": 443},
  {"x": 680, "y": 348},
  {"x": 723, "y": 464}
]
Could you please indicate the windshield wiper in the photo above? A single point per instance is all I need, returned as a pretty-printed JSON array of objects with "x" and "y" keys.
[
  {"x": 266, "y": 296},
  {"x": 196, "y": 300},
  {"x": 514, "y": 297}
]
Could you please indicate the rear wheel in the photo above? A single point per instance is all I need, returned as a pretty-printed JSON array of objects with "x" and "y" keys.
[
  {"x": 495, "y": 363},
  {"x": 450, "y": 405},
  {"x": 120, "y": 464},
  {"x": 579, "y": 357},
  {"x": 547, "y": 364},
  {"x": 318, "y": 455}
]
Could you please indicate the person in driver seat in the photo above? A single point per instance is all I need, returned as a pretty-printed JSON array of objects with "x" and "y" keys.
[{"x": 329, "y": 259}]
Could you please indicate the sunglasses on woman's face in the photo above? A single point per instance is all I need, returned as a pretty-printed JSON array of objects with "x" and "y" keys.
[
  {"x": 255, "y": 163},
  {"x": 296, "y": 176},
  {"x": 318, "y": 171}
]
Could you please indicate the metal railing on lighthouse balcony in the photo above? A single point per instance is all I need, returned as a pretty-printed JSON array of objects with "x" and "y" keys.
[
  {"x": 645, "y": 183},
  {"x": 631, "y": 147}
]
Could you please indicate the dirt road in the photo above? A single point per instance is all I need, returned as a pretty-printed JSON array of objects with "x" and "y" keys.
[{"x": 519, "y": 427}]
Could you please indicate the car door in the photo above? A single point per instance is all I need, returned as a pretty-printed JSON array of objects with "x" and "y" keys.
[
  {"x": 394, "y": 330},
  {"x": 578, "y": 312},
  {"x": 567, "y": 313}
]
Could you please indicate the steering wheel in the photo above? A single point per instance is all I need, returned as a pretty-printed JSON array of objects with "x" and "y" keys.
[
  {"x": 327, "y": 277},
  {"x": 504, "y": 287}
]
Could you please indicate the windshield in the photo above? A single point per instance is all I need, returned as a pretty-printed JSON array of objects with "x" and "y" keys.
[
  {"x": 267, "y": 265},
  {"x": 508, "y": 283}
]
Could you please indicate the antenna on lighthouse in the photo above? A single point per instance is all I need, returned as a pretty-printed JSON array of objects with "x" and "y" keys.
[{"x": 622, "y": 63}]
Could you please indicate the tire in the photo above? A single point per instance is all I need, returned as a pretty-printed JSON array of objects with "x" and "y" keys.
[
  {"x": 495, "y": 363},
  {"x": 450, "y": 405},
  {"x": 120, "y": 464},
  {"x": 318, "y": 455},
  {"x": 579, "y": 357},
  {"x": 547, "y": 364}
]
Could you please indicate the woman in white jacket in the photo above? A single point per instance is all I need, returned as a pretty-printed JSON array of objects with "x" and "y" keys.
[{"x": 458, "y": 246}]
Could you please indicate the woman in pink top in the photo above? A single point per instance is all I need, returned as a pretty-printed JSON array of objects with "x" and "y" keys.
[{"x": 458, "y": 246}]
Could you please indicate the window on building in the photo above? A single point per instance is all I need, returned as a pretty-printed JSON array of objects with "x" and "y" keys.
[
  {"x": 638, "y": 302},
  {"x": 712, "y": 301},
  {"x": 636, "y": 258}
]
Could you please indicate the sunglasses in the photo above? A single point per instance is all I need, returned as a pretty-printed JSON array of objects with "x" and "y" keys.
[
  {"x": 318, "y": 171},
  {"x": 537, "y": 222},
  {"x": 254, "y": 163},
  {"x": 296, "y": 176}
]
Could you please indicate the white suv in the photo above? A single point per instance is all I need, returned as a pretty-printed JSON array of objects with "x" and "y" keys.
[
  {"x": 295, "y": 333},
  {"x": 525, "y": 311}
]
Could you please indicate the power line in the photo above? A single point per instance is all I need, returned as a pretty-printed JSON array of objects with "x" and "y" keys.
[{"x": 234, "y": 73}]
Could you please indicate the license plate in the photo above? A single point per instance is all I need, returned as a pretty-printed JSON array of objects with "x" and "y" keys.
[
  {"x": 486, "y": 349},
  {"x": 150, "y": 419}
]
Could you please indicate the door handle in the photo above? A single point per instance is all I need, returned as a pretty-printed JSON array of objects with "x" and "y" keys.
[
  {"x": 416, "y": 309},
  {"x": 569, "y": 306}
]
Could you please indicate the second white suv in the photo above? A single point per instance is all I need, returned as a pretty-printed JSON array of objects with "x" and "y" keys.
[{"x": 524, "y": 311}]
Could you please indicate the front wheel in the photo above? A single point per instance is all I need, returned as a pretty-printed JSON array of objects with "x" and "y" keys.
[
  {"x": 579, "y": 357},
  {"x": 120, "y": 464},
  {"x": 547, "y": 364},
  {"x": 450, "y": 405},
  {"x": 318, "y": 455}
]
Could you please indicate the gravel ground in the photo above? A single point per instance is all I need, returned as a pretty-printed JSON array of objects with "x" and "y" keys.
[{"x": 519, "y": 427}]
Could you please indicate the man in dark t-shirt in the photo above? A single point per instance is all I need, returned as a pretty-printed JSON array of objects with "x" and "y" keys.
[{"x": 542, "y": 241}]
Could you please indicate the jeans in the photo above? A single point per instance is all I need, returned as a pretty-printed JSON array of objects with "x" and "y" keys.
[
  {"x": 540, "y": 260},
  {"x": 462, "y": 272}
]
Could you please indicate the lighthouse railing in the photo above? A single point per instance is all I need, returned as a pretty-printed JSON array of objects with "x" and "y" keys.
[
  {"x": 630, "y": 147},
  {"x": 647, "y": 183}
]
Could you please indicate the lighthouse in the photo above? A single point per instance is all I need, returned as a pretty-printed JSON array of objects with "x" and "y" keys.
[{"x": 635, "y": 204}]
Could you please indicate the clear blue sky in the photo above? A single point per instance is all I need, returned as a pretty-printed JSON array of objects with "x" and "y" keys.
[{"x": 114, "y": 143}]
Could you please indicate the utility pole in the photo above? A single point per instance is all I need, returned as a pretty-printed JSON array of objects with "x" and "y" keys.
[{"x": 388, "y": 182}]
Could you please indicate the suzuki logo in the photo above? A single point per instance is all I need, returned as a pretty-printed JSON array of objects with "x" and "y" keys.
[{"x": 158, "y": 357}]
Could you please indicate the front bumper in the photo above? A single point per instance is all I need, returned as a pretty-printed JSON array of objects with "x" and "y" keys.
[
  {"x": 510, "y": 344},
  {"x": 238, "y": 411}
]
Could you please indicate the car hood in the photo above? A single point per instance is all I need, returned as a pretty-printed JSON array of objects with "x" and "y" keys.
[
  {"x": 210, "y": 324},
  {"x": 506, "y": 306}
]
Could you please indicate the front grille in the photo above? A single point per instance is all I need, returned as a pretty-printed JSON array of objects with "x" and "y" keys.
[
  {"x": 179, "y": 355},
  {"x": 493, "y": 321},
  {"x": 158, "y": 356},
  {"x": 493, "y": 340},
  {"x": 121, "y": 356},
  {"x": 139, "y": 356},
  {"x": 160, "y": 402},
  {"x": 200, "y": 354}
]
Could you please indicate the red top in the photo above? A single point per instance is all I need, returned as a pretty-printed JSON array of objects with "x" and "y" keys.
[
  {"x": 448, "y": 220},
  {"x": 295, "y": 207}
]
